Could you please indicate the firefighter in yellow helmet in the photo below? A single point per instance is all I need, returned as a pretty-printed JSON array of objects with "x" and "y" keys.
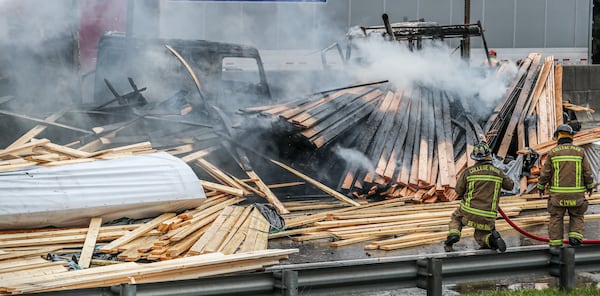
[
  {"x": 567, "y": 175},
  {"x": 479, "y": 187}
]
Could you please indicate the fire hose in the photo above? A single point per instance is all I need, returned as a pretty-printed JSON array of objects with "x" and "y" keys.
[{"x": 539, "y": 238}]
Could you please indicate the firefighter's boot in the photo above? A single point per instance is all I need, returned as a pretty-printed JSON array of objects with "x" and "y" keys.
[
  {"x": 575, "y": 242},
  {"x": 451, "y": 240},
  {"x": 496, "y": 242}
]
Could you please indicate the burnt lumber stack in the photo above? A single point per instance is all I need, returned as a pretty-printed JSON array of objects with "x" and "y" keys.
[{"x": 414, "y": 140}]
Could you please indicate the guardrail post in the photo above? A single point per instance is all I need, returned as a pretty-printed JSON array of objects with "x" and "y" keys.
[
  {"x": 287, "y": 282},
  {"x": 127, "y": 290},
  {"x": 429, "y": 276},
  {"x": 567, "y": 269},
  {"x": 562, "y": 265}
]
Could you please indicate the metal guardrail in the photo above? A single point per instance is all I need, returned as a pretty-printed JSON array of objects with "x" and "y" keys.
[{"x": 427, "y": 271}]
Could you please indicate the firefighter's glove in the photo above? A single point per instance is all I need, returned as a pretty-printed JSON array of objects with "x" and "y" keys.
[
  {"x": 541, "y": 192},
  {"x": 589, "y": 191}
]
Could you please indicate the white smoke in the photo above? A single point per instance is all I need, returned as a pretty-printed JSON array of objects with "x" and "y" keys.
[
  {"x": 435, "y": 66},
  {"x": 354, "y": 157}
]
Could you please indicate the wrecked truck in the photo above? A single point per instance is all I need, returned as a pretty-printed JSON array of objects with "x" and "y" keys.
[{"x": 230, "y": 76}]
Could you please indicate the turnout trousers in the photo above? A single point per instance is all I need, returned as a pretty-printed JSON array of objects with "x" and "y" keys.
[
  {"x": 556, "y": 225},
  {"x": 459, "y": 219}
]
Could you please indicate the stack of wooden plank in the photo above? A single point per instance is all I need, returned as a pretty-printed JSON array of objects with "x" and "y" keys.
[
  {"x": 392, "y": 224},
  {"x": 413, "y": 138},
  {"x": 42, "y": 152},
  {"x": 236, "y": 236},
  {"x": 529, "y": 113},
  {"x": 177, "y": 269},
  {"x": 417, "y": 141}
]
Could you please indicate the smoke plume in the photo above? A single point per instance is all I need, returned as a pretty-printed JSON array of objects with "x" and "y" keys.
[
  {"x": 435, "y": 66},
  {"x": 354, "y": 157}
]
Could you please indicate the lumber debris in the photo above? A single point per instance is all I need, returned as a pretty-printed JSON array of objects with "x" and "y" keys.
[
  {"x": 208, "y": 240},
  {"x": 390, "y": 224},
  {"x": 416, "y": 142}
]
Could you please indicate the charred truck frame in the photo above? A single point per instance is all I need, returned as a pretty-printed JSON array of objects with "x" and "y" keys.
[
  {"x": 413, "y": 33},
  {"x": 230, "y": 75}
]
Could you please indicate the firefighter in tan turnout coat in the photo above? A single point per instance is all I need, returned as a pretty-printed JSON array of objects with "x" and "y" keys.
[
  {"x": 479, "y": 186},
  {"x": 567, "y": 175}
]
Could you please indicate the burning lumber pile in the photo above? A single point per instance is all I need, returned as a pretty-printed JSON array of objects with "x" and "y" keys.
[
  {"x": 408, "y": 136},
  {"x": 417, "y": 141}
]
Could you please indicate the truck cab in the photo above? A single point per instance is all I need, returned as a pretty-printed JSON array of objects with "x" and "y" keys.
[{"x": 231, "y": 75}]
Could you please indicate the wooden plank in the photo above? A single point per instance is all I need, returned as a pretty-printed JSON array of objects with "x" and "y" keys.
[
  {"x": 317, "y": 184},
  {"x": 315, "y": 115},
  {"x": 232, "y": 245},
  {"x": 200, "y": 219},
  {"x": 387, "y": 153},
  {"x": 198, "y": 247},
  {"x": 540, "y": 83},
  {"x": 409, "y": 145},
  {"x": 413, "y": 179},
  {"x": 269, "y": 195},
  {"x": 426, "y": 140},
  {"x": 133, "y": 250},
  {"x": 496, "y": 126},
  {"x": 342, "y": 114},
  {"x": 300, "y": 111},
  {"x": 207, "y": 185},
  {"x": 256, "y": 219},
  {"x": 558, "y": 74},
  {"x": 518, "y": 110},
  {"x": 398, "y": 145},
  {"x": 195, "y": 224},
  {"x": 185, "y": 244},
  {"x": 381, "y": 134},
  {"x": 111, "y": 248},
  {"x": 550, "y": 86},
  {"x": 250, "y": 188},
  {"x": 440, "y": 136},
  {"x": 543, "y": 112},
  {"x": 36, "y": 130},
  {"x": 471, "y": 137},
  {"x": 18, "y": 149},
  {"x": 168, "y": 268},
  {"x": 19, "y": 254},
  {"x": 45, "y": 122},
  {"x": 283, "y": 185},
  {"x": 198, "y": 154},
  {"x": 362, "y": 141},
  {"x": 505, "y": 103},
  {"x": 449, "y": 147},
  {"x": 241, "y": 219},
  {"x": 216, "y": 173},
  {"x": 262, "y": 236},
  {"x": 90, "y": 242},
  {"x": 66, "y": 150},
  {"x": 351, "y": 120}
]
